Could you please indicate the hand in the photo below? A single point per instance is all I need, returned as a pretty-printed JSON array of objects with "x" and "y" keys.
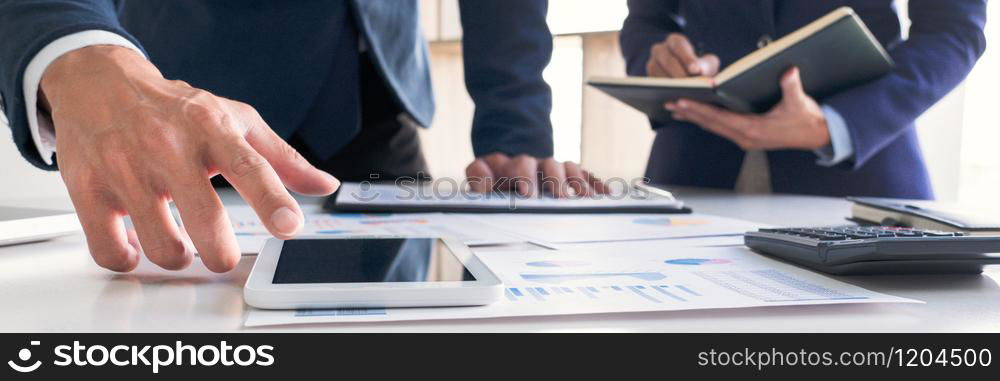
[
  {"x": 129, "y": 142},
  {"x": 676, "y": 58},
  {"x": 797, "y": 122},
  {"x": 524, "y": 173}
]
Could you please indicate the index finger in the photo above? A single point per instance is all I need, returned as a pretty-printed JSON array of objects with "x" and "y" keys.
[
  {"x": 709, "y": 114},
  {"x": 292, "y": 168},
  {"x": 724, "y": 123},
  {"x": 681, "y": 48},
  {"x": 260, "y": 186}
]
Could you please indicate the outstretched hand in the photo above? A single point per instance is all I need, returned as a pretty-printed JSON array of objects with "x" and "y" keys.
[{"x": 129, "y": 142}]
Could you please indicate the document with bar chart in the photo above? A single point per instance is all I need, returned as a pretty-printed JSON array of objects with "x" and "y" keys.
[
  {"x": 595, "y": 228},
  {"x": 251, "y": 233},
  {"x": 653, "y": 278}
]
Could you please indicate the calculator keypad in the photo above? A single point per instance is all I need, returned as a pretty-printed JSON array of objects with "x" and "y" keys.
[{"x": 842, "y": 233}]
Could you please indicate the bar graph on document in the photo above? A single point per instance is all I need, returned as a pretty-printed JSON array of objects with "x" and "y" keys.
[
  {"x": 658, "y": 278},
  {"x": 768, "y": 285},
  {"x": 251, "y": 233},
  {"x": 763, "y": 285},
  {"x": 651, "y": 293},
  {"x": 640, "y": 279}
]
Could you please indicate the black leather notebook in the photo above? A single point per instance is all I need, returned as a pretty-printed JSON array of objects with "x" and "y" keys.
[
  {"x": 923, "y": 215},
  {"x": 833, "y": 53}
]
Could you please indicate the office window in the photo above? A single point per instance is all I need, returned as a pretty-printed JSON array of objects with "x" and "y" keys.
[
  {"x": 586, "y": 16},
  {"x": 568, "y": 19},
  {"x": 979, "y": 179},
  {"x": 564, "y": 75}
]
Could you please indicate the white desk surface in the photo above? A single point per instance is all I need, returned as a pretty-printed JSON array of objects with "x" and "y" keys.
[{"x": 55, "y": 287}]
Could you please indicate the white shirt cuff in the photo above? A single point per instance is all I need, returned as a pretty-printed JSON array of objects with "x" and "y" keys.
[
  {"x": 841, "y": 145},
  {"x": 3, "y": 115},
  {"x": 42, "y": 131}
]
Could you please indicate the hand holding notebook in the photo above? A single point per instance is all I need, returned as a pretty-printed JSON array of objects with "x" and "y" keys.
[
  {"x": 797, "y": 122},
  {"x": 833, "y": 53}
]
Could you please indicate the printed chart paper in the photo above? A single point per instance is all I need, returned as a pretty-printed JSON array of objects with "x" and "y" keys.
[
  {"x": 562, "y": 228},
  {"x": 251, "y": 233},
  {"x": 651, "y": 277}
]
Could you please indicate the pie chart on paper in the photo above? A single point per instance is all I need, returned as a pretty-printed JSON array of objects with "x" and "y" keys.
[
  {"x": 558, "y": 263},
  {"x": 697, "y": 261},
  {"x": 665, "y": 221}
]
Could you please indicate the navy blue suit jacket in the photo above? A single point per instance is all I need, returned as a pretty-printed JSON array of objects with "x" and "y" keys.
[
  {"x": 945, "y": 40},
  {"x": 275, "y": 55}
]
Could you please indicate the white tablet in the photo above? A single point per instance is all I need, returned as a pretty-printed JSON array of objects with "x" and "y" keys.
[
  {"x": 21, "y": 225},
  {"x": 325, "y": 272}
]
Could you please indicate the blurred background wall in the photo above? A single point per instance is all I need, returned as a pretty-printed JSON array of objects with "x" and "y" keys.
[{"x": 959, "y": 134}]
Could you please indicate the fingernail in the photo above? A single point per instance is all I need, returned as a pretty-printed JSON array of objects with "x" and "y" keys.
[
  {"x": 682, "y": 104},
  {"x": 670, "y": 106},
  {"x": 285, "y": 221},
  {"x": 704, "y": 66}
]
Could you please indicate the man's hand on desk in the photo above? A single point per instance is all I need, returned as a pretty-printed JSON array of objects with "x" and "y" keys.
[
  {"x": 525, "y": 174},
  {"x": 129, "y": 142},
  {"x": 797, "y": 122}
]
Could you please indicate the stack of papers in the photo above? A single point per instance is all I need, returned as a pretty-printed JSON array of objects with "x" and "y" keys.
[
  {"x": 251, "y": 233},
  {"x": 564, "y": 228},
  {"x": 559, "y": 264},
  {"x": 495, "y": 229},
  {"x": 661, "y": 276}
]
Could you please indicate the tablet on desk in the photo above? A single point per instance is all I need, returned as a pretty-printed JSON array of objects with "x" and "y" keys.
[
  {"x": 324, "y": 272},
  {"x": 431, "y": 198},
  {"x": 23, "y": 225}
]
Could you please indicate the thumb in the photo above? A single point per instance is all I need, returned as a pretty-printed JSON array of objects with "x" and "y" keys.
[
  {"x": 293, "y": 169},
  {"x": 791, "y": 86}
]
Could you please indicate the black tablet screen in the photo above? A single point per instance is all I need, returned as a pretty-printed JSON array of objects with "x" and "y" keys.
[{"x": 368, "y": 260}]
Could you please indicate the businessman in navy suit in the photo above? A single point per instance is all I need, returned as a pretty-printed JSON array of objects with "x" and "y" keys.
[
  {"x": 145, "y": 101},
  {"x": 859, "y": 142}
]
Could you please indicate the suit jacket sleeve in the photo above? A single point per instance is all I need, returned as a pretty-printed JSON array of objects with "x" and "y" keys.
[
  {"x": 648, "y": 23},
  {"x": 946, "y": 38},
  {"x": 27, "y": 26},
  {"x": 506, "y": 46}
]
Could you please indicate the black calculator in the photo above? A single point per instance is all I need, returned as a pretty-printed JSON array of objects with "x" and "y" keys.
[{"x": 877, "y": 249}]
